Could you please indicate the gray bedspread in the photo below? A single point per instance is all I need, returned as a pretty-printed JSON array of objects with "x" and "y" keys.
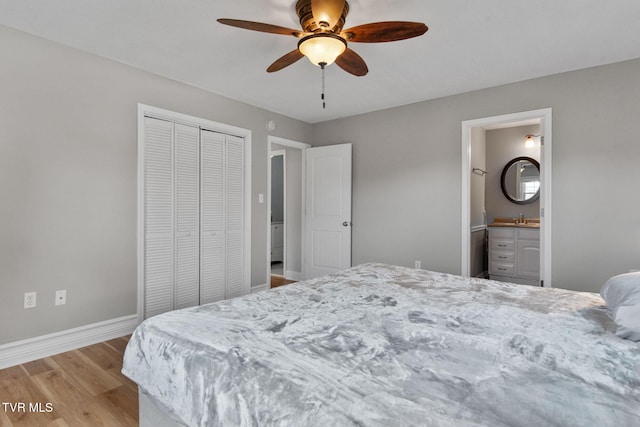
[{"x": 381, "y": 345}]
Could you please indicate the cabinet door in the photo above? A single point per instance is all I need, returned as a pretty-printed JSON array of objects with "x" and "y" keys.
[
  {"x": 187, "y": 216},
  {"x": 277, "y": 235},
  {"x": 158, "y": 216},
  {"x": 528, "y": 256},
  {"x": 212, "y": 219}
]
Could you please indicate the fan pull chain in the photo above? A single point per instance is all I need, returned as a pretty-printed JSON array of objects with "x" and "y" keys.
[{"x": 322, "y": 65}]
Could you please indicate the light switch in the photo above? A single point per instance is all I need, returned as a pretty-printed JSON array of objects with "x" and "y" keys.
[{"x": 260, "y": 198}]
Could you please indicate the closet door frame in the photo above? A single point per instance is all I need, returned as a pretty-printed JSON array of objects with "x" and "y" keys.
[{"x": 179, "y": 118}]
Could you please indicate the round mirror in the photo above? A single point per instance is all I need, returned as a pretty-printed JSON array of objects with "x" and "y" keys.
[{"x": 521, "y": 180}]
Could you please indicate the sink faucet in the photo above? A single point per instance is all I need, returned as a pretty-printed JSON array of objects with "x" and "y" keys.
[{"x": 520, "y": 219}]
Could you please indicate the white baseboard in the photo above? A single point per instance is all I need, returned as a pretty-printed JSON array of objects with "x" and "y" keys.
[
  {"x": 293, "y": 275},
  {"x": 259, "y": 288},
  {"x": 23, "y": 351}
]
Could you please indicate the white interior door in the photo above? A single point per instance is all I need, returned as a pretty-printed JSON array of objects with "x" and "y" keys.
[{"x": 327, "y": 210}]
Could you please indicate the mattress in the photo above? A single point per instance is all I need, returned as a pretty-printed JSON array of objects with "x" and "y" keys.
[{"x": 380, "y": 345}]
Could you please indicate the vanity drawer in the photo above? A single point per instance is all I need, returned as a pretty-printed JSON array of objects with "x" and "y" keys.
[
  {"x": 501, "y": 268},
  {"x": 503, "y": 256},
  {"x": 502, "y": 245}
]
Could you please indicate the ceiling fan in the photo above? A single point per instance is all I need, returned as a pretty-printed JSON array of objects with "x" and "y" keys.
[{"x": 323, "y": 40}]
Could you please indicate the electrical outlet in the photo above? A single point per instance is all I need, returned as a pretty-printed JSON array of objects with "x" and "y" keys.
[
  {"x": 29, "y": 299},
  {"x": 418, "y": 264},
  {"x": 61, "y": 297}
]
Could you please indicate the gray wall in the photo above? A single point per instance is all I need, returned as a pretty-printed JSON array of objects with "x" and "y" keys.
[
  {"x": 503, "y": 145},
  {"x": 407, "y": 172},
  {"x": 68, "y": 177}
]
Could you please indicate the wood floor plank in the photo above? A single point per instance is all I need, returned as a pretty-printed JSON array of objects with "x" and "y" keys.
[
  {"x": 109, "y": 359},
  {"x": 29, "y": 403},
  {"x": 86, "y": 373},
  {"x": 103, "y": 355},
  {"x": 122, "y": 402},
  {"x": 4, "y": 419},
  {"x": 73, "y": 404},
  {"x": 93, "y": 414},
  {"x": 59, "y": 389},
  {"x": 85, "y": 388},
  {"x": 12, "y": 373},
  {"x": 117, "y": 373},
  {"x": 119, "y": 343},
  {"x": 38, "y": 366}
]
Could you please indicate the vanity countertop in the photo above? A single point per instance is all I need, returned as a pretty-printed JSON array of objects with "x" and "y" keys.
[{"x": 514, "y": 222}]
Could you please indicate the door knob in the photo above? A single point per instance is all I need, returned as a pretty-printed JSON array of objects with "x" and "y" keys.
[{"x": 345, "y": 224}]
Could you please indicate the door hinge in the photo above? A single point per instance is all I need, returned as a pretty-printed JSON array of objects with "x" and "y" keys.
[
  {"x": 542, "y": 212},
  {"x": 542, "y": 140}
]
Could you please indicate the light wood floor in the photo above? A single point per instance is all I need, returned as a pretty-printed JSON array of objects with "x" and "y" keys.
[
  {"x": 280, "y": 281},
  {"x": 83, "y": 387}
]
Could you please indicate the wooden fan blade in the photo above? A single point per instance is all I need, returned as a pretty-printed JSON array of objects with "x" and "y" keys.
[
  {"x": 328, "y": 11},
  {"x": 259, "y": 26},
  {"x": 378, "y": 32},
  {"x": 285, "y": 61},
  {"x": 352, "y": 63}
]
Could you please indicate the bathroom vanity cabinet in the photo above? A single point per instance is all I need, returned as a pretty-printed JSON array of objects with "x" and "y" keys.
[{"x": 514, "y": 254}]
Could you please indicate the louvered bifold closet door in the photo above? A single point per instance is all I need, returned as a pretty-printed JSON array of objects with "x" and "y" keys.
[
  {"x": 212, "y": 217},
  {"x": 158, "y": 216},
  {"x": 187, "y": 216},
  {"x": 235, "y": 217}
]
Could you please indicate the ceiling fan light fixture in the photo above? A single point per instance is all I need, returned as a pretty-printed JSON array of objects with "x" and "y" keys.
[{"x": 322, "y": 48}]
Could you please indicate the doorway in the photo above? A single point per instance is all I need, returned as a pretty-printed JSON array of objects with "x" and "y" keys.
[
  {"x": 278, "y": 212},
  {"x": 285, "y": 197},
  {"x": 469, "y": 129}
]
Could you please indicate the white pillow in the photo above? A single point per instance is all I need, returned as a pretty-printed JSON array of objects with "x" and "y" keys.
[{"x": 622, "y": 295}]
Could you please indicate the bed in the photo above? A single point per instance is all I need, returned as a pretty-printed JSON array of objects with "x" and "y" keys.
[{"x": 381, "y": 345}]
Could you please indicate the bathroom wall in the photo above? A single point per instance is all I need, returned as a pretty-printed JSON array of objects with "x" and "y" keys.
[
  {"x": 477, "y": 185},
  {"x": 478, "y": 253},
  {"x": 503, "y": 145}
]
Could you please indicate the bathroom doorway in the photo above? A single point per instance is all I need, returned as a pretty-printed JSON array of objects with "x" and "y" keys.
[
  {"x": 475, "y": 178},
  {"x": 285, "y": 196},
  {"x": 278, "y": 214}
]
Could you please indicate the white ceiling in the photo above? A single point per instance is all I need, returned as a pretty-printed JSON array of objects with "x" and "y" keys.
[{"x": 470, "y": 45}]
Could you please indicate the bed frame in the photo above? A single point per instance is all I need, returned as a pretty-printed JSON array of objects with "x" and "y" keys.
[{"x": 153, "y": 414}]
